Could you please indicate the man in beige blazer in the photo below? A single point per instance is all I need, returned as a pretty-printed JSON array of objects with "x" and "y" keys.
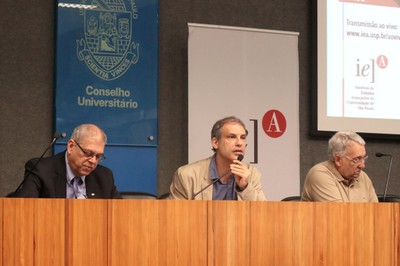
[{"x": 222, "y": 176}]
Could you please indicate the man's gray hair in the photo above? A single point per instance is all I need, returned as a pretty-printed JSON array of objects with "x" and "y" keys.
[
  {"x": 339, "y": 142},
  {"x": 87, "y": 131}
]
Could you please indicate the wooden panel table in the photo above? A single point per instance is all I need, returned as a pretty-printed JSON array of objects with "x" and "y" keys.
[
  {"x": 86, "y": 237},
  {"x": 148, "y": 232},
  {"x": 33, "y": 231},
  {"x": 162, "y": 232},
  {"x": 299, "y": 233}
]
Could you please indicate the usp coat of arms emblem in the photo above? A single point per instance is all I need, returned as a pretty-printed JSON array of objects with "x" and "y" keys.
[{"x": 108, "y": 49}]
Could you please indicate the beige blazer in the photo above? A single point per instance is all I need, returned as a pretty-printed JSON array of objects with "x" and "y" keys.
[{"x": 191, "y": 178}]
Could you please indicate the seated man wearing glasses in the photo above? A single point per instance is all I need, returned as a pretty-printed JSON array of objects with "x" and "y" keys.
[
  {"x": 74, "y": 173},
  {"x": 341, "y": 178}
]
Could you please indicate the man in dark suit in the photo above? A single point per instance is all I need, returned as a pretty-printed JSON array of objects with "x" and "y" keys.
[{"x": 74, "y": 173}]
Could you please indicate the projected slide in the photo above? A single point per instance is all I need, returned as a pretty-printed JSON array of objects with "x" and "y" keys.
[{"x": 363, "y": 59}]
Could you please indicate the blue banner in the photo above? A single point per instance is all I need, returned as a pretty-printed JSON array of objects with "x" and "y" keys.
[
  {"x": 106, "y": 68},
  {"x": 107, "y": 74}
]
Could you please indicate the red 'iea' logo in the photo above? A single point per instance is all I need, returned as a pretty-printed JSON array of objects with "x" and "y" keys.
[
  {"x": 382, "y": 61},
  {"x": 274, "y": 123}
]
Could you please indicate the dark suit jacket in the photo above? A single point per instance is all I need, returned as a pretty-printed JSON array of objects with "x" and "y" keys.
[{"x": 49, "y": 179}]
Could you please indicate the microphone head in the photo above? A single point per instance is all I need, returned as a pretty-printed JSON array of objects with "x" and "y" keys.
[
  {"x": 240, "y": 157},
  {"x": 58, "y": 135},
  {"x": 378, "y": 154}
]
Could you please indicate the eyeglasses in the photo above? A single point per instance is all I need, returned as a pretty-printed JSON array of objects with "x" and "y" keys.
[
  {"x": 90, "y": 154},
  {"x": 357, "y": 160}
]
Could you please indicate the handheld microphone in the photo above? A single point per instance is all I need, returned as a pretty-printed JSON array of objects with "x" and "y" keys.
[
  {"x": 56, "y": 136},
  {"x": 378, "y": 154},
  {"x": 239, "y": 158}
]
